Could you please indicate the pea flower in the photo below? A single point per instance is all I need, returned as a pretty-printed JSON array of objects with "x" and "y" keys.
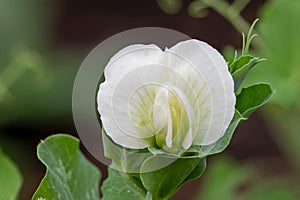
[{"x": 168, "y": 99}]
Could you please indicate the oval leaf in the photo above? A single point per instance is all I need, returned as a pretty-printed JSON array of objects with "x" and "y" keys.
[
  {"x": 10, "y": 179},
  {"x": 253, "y": 97},
  {"x": 69, "y": 174}
]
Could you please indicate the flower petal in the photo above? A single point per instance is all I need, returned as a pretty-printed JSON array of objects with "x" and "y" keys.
[
  {"x": 211, "y": 83},
  {"x": 126, "y": 97},
  {"x": 162, "y": 103},
  {"x": 188, "y": 136}
]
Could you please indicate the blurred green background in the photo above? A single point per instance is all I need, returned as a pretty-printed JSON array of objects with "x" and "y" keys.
[{"x": 43, "y": 42}]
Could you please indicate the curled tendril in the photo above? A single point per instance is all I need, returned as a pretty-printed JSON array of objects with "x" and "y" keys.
[
  {"x": 198, "y": 9},
  {"x": 247, "y": 40}
]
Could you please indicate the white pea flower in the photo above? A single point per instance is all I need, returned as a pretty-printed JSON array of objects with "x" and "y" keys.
[{"x": 169, "y": 99}]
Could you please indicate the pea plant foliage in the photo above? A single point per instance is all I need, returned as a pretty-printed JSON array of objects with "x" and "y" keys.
[{"x": 162, "y": 111}]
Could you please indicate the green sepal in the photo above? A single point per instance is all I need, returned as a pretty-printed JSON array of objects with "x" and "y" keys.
[{"x": 126, "y": 160}]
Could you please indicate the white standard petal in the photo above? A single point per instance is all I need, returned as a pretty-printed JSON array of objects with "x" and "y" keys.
[
  {"x": 126, "y": 97},
  {"x": 130, "y": 58},
  {"x": 208, "y": 78}
]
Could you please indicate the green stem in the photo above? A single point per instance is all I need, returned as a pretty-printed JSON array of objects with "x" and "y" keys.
[
  {"x": 230, "y": 13},
  {"x": 11, "y": 73},
  {"x": 3, "y": 90},
  {"x": 8, "y": 76},
  {"x": 240, "y": 5}
]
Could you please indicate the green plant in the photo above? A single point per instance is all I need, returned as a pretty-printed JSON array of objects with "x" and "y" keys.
[{"x": 137, "y": 172}]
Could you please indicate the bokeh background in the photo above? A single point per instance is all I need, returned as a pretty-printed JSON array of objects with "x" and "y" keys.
[{"x": 43, "y": 42}]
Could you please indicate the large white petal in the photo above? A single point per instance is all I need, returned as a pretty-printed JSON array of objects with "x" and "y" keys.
[
  {"x": 127, "y": 95},
  {"x": 130, "y": 58},
  {"x": 208, "y": 78}
]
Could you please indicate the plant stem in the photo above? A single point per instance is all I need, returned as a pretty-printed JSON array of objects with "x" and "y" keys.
[
  {"x": 230, "y": 13},
  {"x": 240, "y": 5},
  {"x": 3, "y": 90},
  {"x": 8, "y": 76},
  {"x": 11, "y": 73}
]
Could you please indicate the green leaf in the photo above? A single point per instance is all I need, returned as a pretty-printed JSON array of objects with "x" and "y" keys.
[
  {"x": 240, "y": 68},
  {"x": 69, "y": 174},
  {"x": 126, "y": 160},
  {"x": 253, "y": 97},
  {"x": 118, "y": 186},
  {"x": 224, "y": 141},
  {"x": 10, "y": 179},
  {"x": 163, "y": 183}
]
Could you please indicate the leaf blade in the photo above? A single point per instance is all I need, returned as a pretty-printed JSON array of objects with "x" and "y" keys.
[
  {"x": 253, "y": 97},
  {"x": 69, "y": 174},
  {"x": 10, "y": 178},
  {"x": 118, "y": 186}
]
